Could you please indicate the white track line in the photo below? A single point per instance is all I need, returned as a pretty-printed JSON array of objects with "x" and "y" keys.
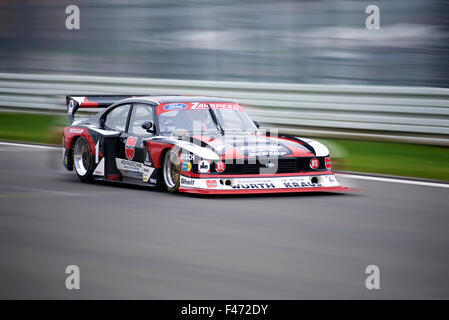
[
  {"x": 25, "y": 145},
  {"x": 350, "y": 176},
  {"x": 403, "y": 181}
]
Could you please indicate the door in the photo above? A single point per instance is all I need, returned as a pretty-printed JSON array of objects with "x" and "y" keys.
[
  {"x": 130, "y": 155},
  {"x": 115, "y": 120}
]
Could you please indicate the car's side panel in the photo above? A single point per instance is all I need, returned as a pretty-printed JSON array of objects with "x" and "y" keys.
[
  {"x": 71, "y": 133},
  {"x": 102, "y": 145},
  {"x": 129, "y": 155}
]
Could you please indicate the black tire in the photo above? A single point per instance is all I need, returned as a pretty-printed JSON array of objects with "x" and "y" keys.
[
  {"x": 83, "y": 160},
  {"x": 171, "y": 171}
]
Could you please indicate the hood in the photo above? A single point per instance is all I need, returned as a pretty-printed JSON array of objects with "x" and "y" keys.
[{"x": 254, "y": 146}]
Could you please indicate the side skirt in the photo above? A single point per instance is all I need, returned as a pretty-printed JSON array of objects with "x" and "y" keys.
[{"x": 129, "y": 181}]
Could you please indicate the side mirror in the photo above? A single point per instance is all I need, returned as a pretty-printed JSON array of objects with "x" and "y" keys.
[
  {"x": 102, "y": 122},
  {"x": 148, "y": 126},
  {"x": 257, "y": 123}
]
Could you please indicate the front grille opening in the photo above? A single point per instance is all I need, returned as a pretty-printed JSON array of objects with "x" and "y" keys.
[{"x": 283, "y": 165}]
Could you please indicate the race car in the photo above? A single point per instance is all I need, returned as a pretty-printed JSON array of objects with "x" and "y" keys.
[{"x": 192, "y": 144}]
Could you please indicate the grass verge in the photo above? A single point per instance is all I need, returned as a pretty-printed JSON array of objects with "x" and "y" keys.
[
  {"x": 40, "y": 128},
  {"x": 401, "y": 159}
]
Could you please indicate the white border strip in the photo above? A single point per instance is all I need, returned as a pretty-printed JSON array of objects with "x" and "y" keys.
[
  {"x": 350, "y": 176},
  {"x": 26, "y": 145},
  {"x": 403, "y": 181}
]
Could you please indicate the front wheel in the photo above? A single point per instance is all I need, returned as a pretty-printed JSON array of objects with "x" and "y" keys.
[
  {"x": 171, "y": 171},
  {"x": 83, "y": 160}
]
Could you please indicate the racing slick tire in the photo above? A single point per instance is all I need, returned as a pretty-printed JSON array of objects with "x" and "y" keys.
[
  {"x": 171, "y": 171},
  {"x": 83, "y": 161}
]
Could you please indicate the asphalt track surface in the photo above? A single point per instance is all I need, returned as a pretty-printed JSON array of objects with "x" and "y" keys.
[{"x": 132, "y": 242}]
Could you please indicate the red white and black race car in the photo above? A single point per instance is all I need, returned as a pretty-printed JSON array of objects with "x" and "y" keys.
[{"x": 190, "y": 144}]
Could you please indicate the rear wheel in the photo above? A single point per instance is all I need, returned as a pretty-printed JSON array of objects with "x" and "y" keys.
[
  {"x": 171, "y": 171},
  {"x": 83, "y": 160}
]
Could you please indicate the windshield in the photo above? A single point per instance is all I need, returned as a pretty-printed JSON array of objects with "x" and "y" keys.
[
  {"x": 195, "y": 118},
  {"x": 235, "y": 120}
]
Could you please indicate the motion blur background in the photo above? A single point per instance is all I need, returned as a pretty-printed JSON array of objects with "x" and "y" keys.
[
  {"x": 316, "y": 41},
  {"x": 379, "y": 99}
]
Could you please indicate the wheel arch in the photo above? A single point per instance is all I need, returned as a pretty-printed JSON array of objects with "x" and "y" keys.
[
  {"x": 162, "y": 177},
  {"x": 89, "y": 169},
  {"x": 68, "y": 156}
]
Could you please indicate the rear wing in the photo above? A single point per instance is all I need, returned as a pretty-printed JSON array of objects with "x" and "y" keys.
[{"x": 75, "y": 102}]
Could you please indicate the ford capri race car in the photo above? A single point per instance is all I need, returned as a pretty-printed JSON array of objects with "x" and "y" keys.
[{"x": 189, "y": 144}]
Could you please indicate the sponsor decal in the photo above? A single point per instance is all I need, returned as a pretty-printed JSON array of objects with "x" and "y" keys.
[
  {"x": 264, "y": 150},
  {"x": 232, "y": 106},
  {"x": 332, "y": 179},
  {"x": 76, "y": 130},
  {"x": 211, "y": 183},
  {"x": 146, "y": 173},
  {"x": 220, "y": 166},
  {"x": 186, "y": 166},
  {"x": 314, "y": 163},
  {"x": 294, "y": 179},
  {"x": 246, "y": 140},
  {"x": 129, "y": 166},
  {"x": 301, "y": 185},
  {"x": 204, "y": 166},
  {"x": 267, "y": 153},
  {"x": 187, "y": 106},
  {"x": 134, "y": 174},
  {"x": 256, "y": 185},
  {"x": 328, "y": 163},
  {"x": 299, "y": 182},
  {"x": 175, "y": 106},
  {"x": 186, "y": 181},
  {"x": 187, "y": 157},
  {"x": 130, "y": 147}
]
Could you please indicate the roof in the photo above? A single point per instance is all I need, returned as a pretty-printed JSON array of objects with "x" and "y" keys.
[
  {"x": 160, "y": 99},
  {"x": 174, "y": 99}
]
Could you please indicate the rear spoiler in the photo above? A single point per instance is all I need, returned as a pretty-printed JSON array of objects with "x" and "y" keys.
[{"x": 75, "y": 102}]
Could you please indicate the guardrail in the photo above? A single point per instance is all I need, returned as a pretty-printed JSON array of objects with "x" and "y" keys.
[{"x": 409, "y": 114}]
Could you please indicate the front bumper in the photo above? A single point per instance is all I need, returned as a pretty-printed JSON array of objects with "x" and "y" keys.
[{"x": 266, "y": 184}]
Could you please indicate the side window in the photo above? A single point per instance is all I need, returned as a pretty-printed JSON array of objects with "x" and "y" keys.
[
  {"x": 116, "y": 119},
  {"x": 140, "y": 114}
]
